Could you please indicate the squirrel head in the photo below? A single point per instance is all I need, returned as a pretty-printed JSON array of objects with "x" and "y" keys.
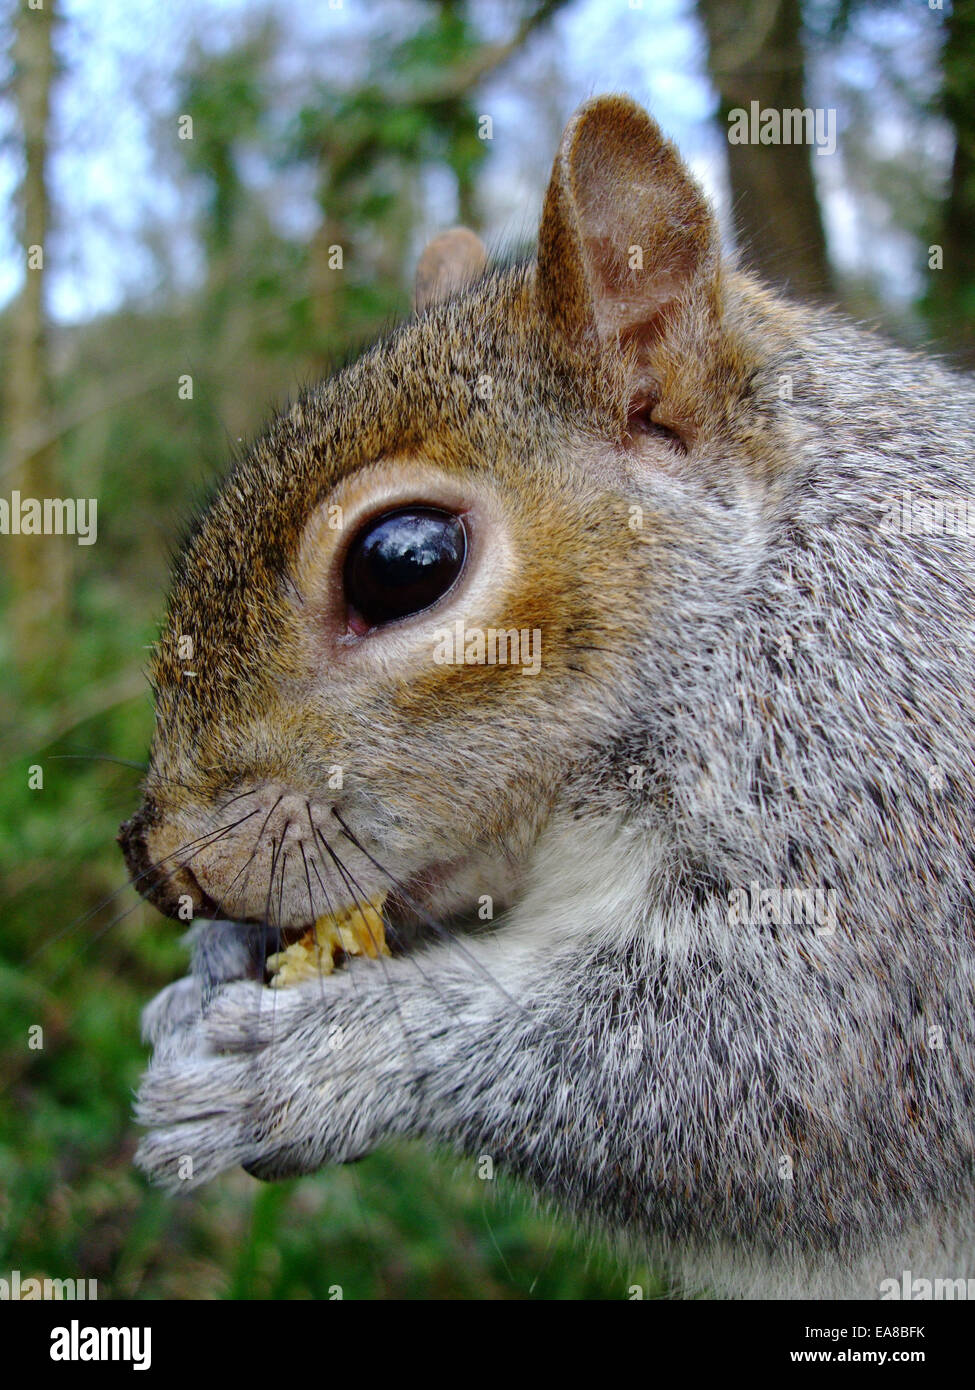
[{"x": 423, "y": 599}]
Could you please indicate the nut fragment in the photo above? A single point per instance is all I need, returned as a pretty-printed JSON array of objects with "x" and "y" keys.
[{"x": 355, "y": 931}]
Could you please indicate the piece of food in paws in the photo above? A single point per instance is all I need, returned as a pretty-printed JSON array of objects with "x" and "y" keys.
[{"x": 355, "y": 931}]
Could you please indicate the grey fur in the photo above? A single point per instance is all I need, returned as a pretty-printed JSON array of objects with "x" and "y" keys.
[{"x": 799, "y": 696}]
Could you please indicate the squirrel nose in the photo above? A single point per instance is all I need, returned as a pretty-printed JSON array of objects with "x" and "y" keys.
[{"x": 166, "y": 883}]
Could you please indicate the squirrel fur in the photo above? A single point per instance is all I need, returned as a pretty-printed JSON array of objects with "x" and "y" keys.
[{"x": 681, "y": 480}]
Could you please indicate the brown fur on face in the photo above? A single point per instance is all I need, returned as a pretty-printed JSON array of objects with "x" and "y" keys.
[{"x": 537, "y": 402}]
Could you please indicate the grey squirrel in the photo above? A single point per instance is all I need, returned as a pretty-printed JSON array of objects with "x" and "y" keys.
[{"x": 721, "y": 1000}]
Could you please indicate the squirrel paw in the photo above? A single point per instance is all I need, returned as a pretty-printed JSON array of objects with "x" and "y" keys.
[{"x": 253, "y": 1081}]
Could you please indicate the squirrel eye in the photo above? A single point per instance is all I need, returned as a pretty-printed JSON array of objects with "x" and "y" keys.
[{"x": 403, "y": 562}]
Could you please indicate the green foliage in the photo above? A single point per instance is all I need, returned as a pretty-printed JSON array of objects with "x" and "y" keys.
[{"x": 226, "y": 98}]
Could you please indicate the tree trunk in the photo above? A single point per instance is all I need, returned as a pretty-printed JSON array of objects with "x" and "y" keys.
[
  {"x": 755, "y": 53},
  {"x": 37, "y": 564},
  {"x": 952, "y": 293}
]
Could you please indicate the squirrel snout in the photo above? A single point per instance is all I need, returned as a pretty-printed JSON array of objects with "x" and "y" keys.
[{"x": 165, "y": 883}]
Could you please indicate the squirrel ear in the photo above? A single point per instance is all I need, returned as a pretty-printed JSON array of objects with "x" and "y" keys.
[
  {"x": 449, "y": 262},
  {"x": 625, "y": 230}
]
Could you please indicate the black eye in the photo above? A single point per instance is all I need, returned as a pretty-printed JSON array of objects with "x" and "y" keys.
[{"x": 403, "y": 562}]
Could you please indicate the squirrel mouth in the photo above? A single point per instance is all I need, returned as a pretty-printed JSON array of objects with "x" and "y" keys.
[
  {"x": 390, "y": 924},
  {"x": 387, "y": 925},
  {"x": 355, "y": 931}
]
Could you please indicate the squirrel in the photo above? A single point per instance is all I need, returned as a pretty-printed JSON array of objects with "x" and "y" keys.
[{"x": 681, "y": 916}]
